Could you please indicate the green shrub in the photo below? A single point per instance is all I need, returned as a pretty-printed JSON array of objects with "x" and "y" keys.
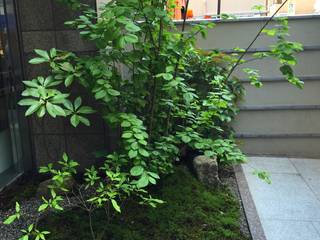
[{"x": 151, "y": 82}]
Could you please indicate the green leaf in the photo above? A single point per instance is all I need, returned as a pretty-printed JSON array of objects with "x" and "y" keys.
[
  {"x": 51, "y": 110},
  {"x": 143, "y": 181},
  {"x": 66, "y": 66},
  {"x": 38, "y": 60},
  {"x": 42, "y": 53},
  {"x": 132, "y": 153},
  {"x": 41, "y": 112},
  {"x": 25, "y": 237},
  {"x": 154, "y": 175},
  {"x": 139, "y": 136},
  {"x": 86, "y": 110},
  {"x": 84, "y": 120},
  {"x": 127, "y": 135},
  {"x": 67, "y": 103},
  {"x": 65, "y": 157},
  {"x": 131, "y": 27},
  {"x": 152, "y": 180},
  {"x": 136, "y": 171},
  {"x": 101, "y": 94},
  {"x": 17, "y": 207},
  {"x": 125, "y": 124},
  {"x": 77, "y": 103},
  {"x": 69, "y": 80},
  {"x": 55, "y": 110},
  {"x": 28, "y": 101},
  {"x": 32, "y": 83},
  {"x": 42, "y": 207},
  {"x": 209, "y": 153},
  {"x": 115, "y": 205},
  {"x": 167, "y": 76},
  {"x": 131, "y": 38},
  {"x": 186, "y": 139},
  {"x": 143, "y": 152},
  {"x": 32, "y": 109},
  {"x": 113, "y": 92},
  {"x": 53, "y": 52},
  {"x": 75, "y": 120},
  {"x": 10, "y": 219}
]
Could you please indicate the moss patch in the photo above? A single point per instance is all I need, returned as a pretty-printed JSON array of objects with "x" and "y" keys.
[{"x": 191, "y": 212}]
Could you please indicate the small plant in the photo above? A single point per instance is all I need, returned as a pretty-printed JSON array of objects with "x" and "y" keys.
[{"x": 152, "y": 83}]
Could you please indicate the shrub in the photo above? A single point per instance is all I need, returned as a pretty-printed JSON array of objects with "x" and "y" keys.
[{"x": 151, "y": 82}]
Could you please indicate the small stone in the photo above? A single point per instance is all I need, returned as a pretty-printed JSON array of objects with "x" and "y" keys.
[
  {"x": 207, "y": 170},
  {"x": 44, "y": 187}
]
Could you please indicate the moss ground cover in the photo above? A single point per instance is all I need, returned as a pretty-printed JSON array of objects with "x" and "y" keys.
[{"x": 191, "y": 212}]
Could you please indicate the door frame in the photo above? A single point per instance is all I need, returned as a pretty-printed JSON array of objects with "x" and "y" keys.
[{"x": 19, "y": 125}]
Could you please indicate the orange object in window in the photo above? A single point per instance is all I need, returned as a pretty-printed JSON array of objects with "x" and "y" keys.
[{"x": 190, "y": 13}]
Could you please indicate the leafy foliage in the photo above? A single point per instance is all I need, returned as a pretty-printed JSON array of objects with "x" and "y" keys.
[
  {"x": 191, "y": 212},
  {"x": 152, "y": 83}
]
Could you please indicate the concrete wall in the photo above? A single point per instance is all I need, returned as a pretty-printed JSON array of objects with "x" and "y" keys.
[
  {"x": 277, "y": 119},
  {"x": 41, "y": 26}
]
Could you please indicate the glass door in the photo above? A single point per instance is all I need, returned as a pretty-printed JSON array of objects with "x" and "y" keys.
[{"x": 10, "y": 140}]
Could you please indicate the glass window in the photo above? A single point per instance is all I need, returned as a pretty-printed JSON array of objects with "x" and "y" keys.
[{"x": 10, "y": 142}]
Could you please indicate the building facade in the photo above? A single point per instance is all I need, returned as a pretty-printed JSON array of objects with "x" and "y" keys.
[{"x": 26, "y": 143}]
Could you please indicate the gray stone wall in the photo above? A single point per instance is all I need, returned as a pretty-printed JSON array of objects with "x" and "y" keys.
[
  {"x": 41, "y": 26},
  {"x": 277, "y": 119}
]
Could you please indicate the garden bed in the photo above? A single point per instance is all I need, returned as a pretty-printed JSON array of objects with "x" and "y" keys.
[{"x": 191, "y": 212}]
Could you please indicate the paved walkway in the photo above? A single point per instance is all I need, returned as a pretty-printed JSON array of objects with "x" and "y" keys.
[{"x": 289, "y": 208}]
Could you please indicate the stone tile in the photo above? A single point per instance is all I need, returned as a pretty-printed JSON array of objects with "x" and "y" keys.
[
  {"x": 314, "y": 183},
  {"x": 317, "y": 226},
  {"x": 284, "y": 187},
  {"x": 70, "y": 40},
  {"x": 289, "y": 230},
  {"x": 48, "y": 148},
  {"x": 288, "y": 197},
  {"x": 82, "y": 147},
  {"x": 269, "y": 164},
  {"x": 62, "y": 13},
  {"x": 35, "y": 15},
  {"x": 47, "y": 125},
  {"x": 291, "y": 210},
  {"x": 38, "y": 40},
  {"x": 306, "y": 166},
  {"x": 310, "y": 171},
  {"x": 33, "y": 71}
]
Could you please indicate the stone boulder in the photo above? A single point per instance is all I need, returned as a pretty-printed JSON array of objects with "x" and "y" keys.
[
  {"x": 44, "y": 188},
  {"x": 207, "y": 170}
]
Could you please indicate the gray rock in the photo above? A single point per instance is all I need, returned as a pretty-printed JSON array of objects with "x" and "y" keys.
[
  {"x": 44, "y": 187},
  {"x": 207, "y": 170}
]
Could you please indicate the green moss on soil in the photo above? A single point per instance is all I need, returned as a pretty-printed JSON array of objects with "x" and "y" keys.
[{"x": 191, "y": 212}]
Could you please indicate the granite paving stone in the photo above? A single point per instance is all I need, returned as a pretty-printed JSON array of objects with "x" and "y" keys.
[{"x": 289, "y": 207}]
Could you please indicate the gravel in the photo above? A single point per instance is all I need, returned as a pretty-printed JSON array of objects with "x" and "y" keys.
[
  {"x": 29, "y": 214},
  {"x": 29, "y": 210},
  {"x": 228, "y": 178}
]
